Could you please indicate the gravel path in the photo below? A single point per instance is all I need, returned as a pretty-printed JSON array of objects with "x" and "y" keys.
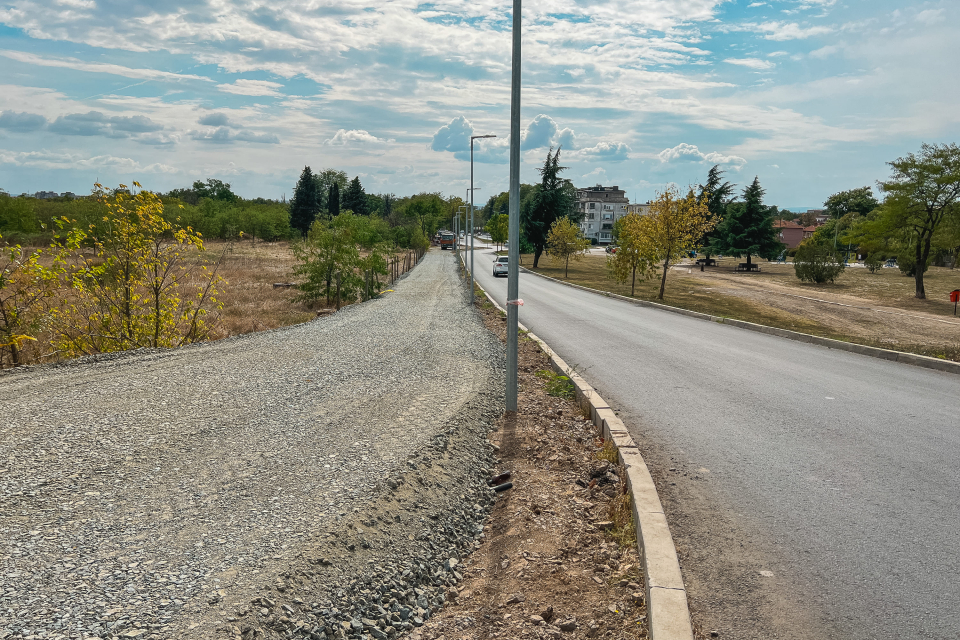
[{"x": 156, "y": 494}]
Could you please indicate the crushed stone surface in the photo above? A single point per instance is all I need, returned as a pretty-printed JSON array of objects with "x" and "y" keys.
[{"x": 255, "y": 486}]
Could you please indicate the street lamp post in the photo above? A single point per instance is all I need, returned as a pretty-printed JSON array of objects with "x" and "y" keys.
[
  {"x": 472, "y": 189},
  {"x": 513, "y": 254}
]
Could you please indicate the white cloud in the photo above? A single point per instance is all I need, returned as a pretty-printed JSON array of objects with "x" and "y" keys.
[
  {"x": 930, "y": 17},
  {"x": 354, "y": 136},
  {"x": 251, "y": 88},
  {"x": 752, "y": 63},
  {"x": 97, "y": 67},
  {"x": 51, "y": 160},
  {"x": 780, "y": 31},
  {"x": 684, "y": 152},
  {"x": 223, "y": 135},
  {"x": 608, "y": 151}
]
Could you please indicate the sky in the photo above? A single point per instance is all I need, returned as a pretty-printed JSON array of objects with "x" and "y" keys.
[{"x": 811, "y": 96}]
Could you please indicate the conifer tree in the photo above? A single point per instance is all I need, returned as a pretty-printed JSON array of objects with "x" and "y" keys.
[
  {"x": 305, "y": 203},
  {"x": 748, "y": 227},
  {"x": 553, "y": 198},
  {"x": 717, "y": 195},
  {"x": 355, "y": 198},
  {"x": 333, "y": 201}
]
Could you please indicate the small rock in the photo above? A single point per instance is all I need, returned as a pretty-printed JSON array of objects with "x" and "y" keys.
[
  {"x": 568, "y": 625},
  {"x": 516, "y": 598},
  {"x": 637, "y": 598},
  {"x": 605, "y": 524},
  {"x": 535, "y": 620}
]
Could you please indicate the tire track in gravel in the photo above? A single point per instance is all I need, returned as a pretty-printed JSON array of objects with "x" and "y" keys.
[{"x": 136, "y": 491}]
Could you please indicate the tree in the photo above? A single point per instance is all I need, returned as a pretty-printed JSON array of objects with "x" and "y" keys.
[
  {"x": 717, "y": 195},
  {"x": 565, "y": 242},
  {"x": 817, "y": 263},
  {"x": 138, "y": 289},
  {"x": 214, "y": 190},
  {"x": 675, "y": 226},
  {"x": 333, "y": 201},
  {"x": 305, "y": 203},
  {"x": 846, "y": 206},
  {"x": 748, "y": 228},
  {"x": 922, "y": 192},
  {"x": 355, "y": 198},
  {"x": 326, "y": 260},
  {"x": 633, "y": 255},
  {"x": 327, "y": 178},
  {"x": 427, "y": 210},
  {"x": 553, "y": 198},
  {"x": 499, "y": 228}
]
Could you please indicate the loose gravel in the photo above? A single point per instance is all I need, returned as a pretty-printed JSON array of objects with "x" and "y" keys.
[{"x": 319, "y": 481}]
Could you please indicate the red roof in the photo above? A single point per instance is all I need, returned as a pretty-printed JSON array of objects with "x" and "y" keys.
[{"x": 786, "y": 224}]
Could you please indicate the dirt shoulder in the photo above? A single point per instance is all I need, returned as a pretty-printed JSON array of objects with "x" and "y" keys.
[{"x": 550, "y": 564}]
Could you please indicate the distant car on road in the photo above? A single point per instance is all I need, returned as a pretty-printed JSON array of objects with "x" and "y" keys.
[
  {"x": 892, "y": 262},
  {"x": 500, "y": 266},
  {"x": 447, "y": 241}
]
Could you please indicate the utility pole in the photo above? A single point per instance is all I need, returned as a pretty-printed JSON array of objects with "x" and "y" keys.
[
  {"x": 472, "y": 225},
  {"x": 513, "y": 254}
]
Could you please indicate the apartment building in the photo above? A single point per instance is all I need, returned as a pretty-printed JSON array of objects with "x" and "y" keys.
[{"x": 600, "y": 207}]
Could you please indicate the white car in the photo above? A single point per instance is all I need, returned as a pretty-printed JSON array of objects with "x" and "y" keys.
[{"x": 500, "y": 266}]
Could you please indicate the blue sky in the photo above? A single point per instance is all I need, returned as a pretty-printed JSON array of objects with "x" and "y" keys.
[{"x": 812, "y": 96}]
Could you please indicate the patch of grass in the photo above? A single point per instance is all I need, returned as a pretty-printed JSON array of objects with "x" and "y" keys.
[
  {"x": 608, "y": 452},
  {"x": 624, "y": 529},
  {"x": 557, "y": 385}
]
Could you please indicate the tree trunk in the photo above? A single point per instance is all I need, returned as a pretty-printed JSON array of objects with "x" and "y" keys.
[
  {"x": 536, "y": 256},
  {"x": 663, "y": 281},
  {"x": 566, "y": 269},
  {"x": 748, "y": 262},
  {"x": 633, "y": 281},
  {"x": 922, "y": 254}
]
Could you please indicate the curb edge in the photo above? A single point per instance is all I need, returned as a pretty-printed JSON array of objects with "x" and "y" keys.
[
  {"x": 668, "y": 614},
  {"x": 947, "y": 366}
]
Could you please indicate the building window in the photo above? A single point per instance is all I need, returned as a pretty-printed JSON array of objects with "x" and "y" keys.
[
  {"x": 593, "y": 205},
  {"x": 590, "y": 226},
  {"x": 590, "y": 216},
  {"x": 604, "y": 236}
]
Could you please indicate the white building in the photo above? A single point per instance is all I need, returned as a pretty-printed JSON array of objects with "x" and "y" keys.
[{"x": 601, "y": 207}]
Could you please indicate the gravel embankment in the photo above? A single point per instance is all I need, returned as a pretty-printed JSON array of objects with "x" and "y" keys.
[{"x": 317, "y": 481}]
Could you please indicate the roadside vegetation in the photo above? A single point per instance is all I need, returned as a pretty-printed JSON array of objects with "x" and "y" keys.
[{"x": 128, "y": 268}]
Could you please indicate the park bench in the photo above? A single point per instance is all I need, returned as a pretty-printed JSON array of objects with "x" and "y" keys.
[
  {"x": 709, "y": 262},
  {"x": 743, "y": 266}
]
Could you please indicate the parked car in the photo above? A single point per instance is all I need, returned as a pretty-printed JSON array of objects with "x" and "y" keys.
[
  {"x": 500, "y": 266},
  {"x": 611, "y": 248}
]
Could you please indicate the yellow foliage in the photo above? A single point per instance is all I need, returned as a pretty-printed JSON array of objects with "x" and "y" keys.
[
  {"x": 137, "y": 289},
  {"x": 676, "y": 226},
  {"x": 565, "y": 242}
]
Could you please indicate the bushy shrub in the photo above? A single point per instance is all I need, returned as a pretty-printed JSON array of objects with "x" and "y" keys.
[
  {"x": 873, "y": 262},
  {"x": 816, "y": 263},
  {"x": 907, "y": 263}
]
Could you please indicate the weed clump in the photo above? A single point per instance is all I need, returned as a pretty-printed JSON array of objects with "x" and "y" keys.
[{"x": 557, "y": 385}]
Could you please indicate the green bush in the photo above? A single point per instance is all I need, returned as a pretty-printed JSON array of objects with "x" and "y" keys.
[
  {"x": 907, "y": 263},
  {"x": 816, "y": 263},
  {"x": 873, "y": 262}
]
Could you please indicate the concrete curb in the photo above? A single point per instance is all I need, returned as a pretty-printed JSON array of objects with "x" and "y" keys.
[
  {"x": 927, "y": 362},
  {"x": 668, "y": 616}
]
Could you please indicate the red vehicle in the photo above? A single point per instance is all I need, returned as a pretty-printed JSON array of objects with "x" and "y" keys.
[{"x": 447, "y": 241}]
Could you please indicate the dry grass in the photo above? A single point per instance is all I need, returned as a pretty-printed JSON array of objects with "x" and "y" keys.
[
  {"x": 775, "y": 297},
  {"x": 250, "y": 301}
]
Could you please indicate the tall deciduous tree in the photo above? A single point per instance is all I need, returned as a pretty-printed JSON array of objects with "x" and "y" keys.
[
  {"x": 565, "y": 242},
  {"x": 716, "y": 193},
  {"x": 554, "y": 198},
  {"x": 499, "y": 228},
  {"x": 325, "y": 179},
  {"x": 675, "y": 226},
  {"x": 305, "y": 203},
  {"x": 333, "y": 201},
  {"x": 923, "y": 190},
  {"x": 748, "y": 227},
  {"x": 633, "y": 256},
  {"x": 355, "y": 198}
]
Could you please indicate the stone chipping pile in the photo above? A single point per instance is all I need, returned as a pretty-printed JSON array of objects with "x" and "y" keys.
[{"x": 323, "y": 480}]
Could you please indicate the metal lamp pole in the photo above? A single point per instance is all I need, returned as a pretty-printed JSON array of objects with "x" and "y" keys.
[
  {"x": 513, "y": 254},
  {"x": 472, "y": 189}
]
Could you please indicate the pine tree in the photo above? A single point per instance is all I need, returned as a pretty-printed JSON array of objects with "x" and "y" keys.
[
  {"x": 553, "y": 199},
  {"x": 305, "y": 203},
  {"x": 333, "y": 201},
  {"x": 748, "y": 227},
  {"x": 717, "y": 194},
  {"x": 355, "y": 198}
]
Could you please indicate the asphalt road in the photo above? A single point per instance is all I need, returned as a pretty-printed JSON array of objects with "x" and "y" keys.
[{"x": 845, "y": 466}]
